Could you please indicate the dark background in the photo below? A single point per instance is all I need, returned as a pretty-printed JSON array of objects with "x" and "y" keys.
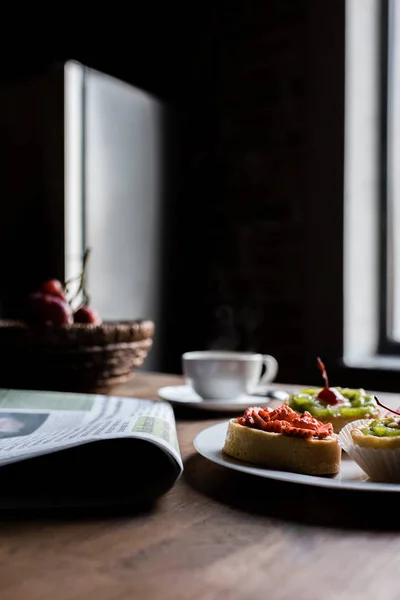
[{"x": 256, "y": 262}]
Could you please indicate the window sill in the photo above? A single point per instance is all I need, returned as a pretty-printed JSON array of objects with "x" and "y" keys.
[{"x": 376, "y": 362}]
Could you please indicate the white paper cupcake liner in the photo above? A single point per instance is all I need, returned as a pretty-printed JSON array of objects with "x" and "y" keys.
[{"x": 379, "y": 465}]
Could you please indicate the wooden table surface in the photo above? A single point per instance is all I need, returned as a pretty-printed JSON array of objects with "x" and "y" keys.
[{"x": 216, "y": 535}]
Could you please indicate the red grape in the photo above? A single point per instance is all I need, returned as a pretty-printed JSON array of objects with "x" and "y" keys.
[
  {"x": 54, "y": 288},
  {"x": 47, "y": 309},
  {"x": 85, "y": 314}
]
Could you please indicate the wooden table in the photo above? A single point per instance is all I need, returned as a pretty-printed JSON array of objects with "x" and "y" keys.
[{"x": 216, "y": 535}]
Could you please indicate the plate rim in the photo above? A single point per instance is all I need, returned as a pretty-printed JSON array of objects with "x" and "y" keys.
[{"x": 288, "y": 476}]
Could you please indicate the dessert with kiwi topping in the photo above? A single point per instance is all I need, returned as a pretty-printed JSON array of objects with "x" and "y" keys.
[
  {"x": 335, "y": 405},
  {"x": 374, "y": 444},
  {"x": 380, "y": 433}
]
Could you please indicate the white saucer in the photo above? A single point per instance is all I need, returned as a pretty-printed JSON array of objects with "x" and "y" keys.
[{"x": 184, "y": 395}]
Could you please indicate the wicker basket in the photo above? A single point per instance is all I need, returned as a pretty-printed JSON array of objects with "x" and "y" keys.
[{"x": 78, "y": 358}]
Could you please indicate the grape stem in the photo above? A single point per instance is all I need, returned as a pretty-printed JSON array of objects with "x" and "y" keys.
[
  {"x": 323, "y": 371},
  {"x": 379, "y": 403},
  {"x": 82, "y": 289}
]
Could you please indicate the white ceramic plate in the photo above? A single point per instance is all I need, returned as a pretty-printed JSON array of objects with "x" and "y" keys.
[
  {"x": 183, "y": 395},
  {"x": 210, "y": 441}
]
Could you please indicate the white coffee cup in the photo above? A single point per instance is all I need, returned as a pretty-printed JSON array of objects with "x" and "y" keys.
[{"x": 221, "y": 375}]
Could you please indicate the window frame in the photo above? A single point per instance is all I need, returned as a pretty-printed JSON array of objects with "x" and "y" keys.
[{"x": 386, "y": 344}]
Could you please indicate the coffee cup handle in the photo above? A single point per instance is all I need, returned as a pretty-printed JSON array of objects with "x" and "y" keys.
[{"x": 271, "y": 369}]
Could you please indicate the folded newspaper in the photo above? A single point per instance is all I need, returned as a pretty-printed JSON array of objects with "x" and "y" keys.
[{"x": 79, "y": 449}]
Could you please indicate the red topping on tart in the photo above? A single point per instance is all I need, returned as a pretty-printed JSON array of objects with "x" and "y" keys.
[{"x": 286, "y": 421}]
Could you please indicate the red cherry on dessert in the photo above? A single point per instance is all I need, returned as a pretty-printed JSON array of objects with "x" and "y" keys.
[
  {"x": 49, "y": 310},
  {"x": 328, "y": 395},
  {"x": 53, "y": 287},
  {"x": 85, "y": 314}
]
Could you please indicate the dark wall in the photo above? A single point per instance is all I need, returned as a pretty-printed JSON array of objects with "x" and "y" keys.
[
  {"x": 260, "y": 222},
  {"x": 258, "y": 88}
]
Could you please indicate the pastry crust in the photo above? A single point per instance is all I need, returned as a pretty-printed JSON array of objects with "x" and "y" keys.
[
  {"x": 282, "y": 452},
  {"x": 374, "y": 441}
]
